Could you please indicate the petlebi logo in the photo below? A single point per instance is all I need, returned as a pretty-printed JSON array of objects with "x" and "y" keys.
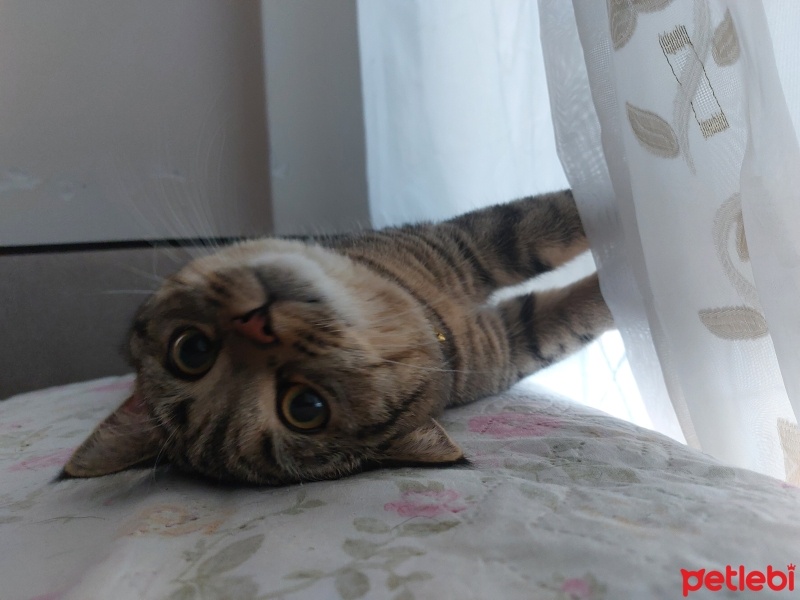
[{"x": 739, "y": 579}]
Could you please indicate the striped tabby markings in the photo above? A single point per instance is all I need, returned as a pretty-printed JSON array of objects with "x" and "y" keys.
[
  {"x": 139, "y": 327},
  {"x": 469, "y": 253},
  {"x": 221, "y": 284},
  {"x": 393, "y": 416},
  {"x": 450, "y": 355},
  {"x": 179, "y": 412},
  {"x": 414, "y": 247},
  {"x": 214, "y": 445},
  {"x": 267, "y": 448},
  {"x": 506, "y": 237},
  {"x": 527, "y": 315}
]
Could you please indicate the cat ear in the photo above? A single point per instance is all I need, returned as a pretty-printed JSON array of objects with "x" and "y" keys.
[
  {"x": 428, "y": 443},
  {"x": 126, "y": 438}
]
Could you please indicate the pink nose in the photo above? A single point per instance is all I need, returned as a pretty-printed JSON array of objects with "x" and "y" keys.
[{"x": 255, "y": 326}]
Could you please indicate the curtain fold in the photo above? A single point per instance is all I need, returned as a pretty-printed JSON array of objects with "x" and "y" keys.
[
  {"x": 602, "y": 190},
  {"x": 674, "y": 131}
]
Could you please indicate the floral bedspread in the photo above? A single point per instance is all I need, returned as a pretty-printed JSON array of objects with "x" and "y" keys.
[{"x": 561, "y": 502}]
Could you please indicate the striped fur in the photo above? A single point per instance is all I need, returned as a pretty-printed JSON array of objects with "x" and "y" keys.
[{"x": 389, "y": 327}]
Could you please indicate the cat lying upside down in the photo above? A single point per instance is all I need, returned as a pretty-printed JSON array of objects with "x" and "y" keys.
[{"x": 277, "y": 361}]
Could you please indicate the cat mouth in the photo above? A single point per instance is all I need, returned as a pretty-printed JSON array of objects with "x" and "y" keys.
[{"x": 256, "y": 325}]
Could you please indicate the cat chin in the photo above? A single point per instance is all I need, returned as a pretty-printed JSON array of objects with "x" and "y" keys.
[{"x": 326, "y": 274}]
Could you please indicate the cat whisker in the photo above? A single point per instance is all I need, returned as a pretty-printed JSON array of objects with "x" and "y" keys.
[
  {"x": 161, "y": 451},
  {"x": 157, "y": 424},
  {"x": 434, "y": 369},
  {"x": 158, "y": 280}
]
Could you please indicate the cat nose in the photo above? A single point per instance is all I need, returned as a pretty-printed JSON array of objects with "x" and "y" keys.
[{"x": 255, "y": 325}]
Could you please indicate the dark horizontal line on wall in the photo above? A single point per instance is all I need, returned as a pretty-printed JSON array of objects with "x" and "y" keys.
[{"x": 117, "y": 245}]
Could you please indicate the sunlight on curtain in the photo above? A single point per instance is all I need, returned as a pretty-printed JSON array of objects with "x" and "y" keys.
[
  {"x": 456, "y": 111},
  {"x": 674, "y": 132},
  {"x": 457, "y": 117}
]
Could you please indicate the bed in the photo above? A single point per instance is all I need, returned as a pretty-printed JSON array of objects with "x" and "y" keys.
[{"x": 560, "y": 502}]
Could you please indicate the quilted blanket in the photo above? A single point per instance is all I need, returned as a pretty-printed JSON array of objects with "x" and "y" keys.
[{"x": 560, "y": 502}]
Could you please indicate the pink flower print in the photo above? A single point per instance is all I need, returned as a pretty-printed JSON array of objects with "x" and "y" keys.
[
  {"x": 426, "y": 503},
  {"x": 577, "y": 588},
  {"x": 511, "y": 425},
  {"x": 53, "y": 459}
]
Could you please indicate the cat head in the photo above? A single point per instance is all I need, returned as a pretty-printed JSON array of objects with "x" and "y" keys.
[{"x": 273, "y": 362}]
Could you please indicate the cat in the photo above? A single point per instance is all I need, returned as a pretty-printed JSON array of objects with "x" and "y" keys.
[{"x": 276, "y": 361}]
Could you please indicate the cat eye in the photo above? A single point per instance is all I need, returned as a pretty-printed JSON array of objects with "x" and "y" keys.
[
  {"x": 302, "y": 410},
  {"x": 191, "y": 353}
]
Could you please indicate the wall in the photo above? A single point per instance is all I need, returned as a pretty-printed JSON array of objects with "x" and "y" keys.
[
  {"x": 64, "y": 316},
  {"x": 316, "y": 120},
  {"x": 118, "y": 121},
  {"x": 131, "y": 120}
]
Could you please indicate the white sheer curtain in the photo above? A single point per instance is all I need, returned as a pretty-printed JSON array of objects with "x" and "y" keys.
[
  {"x": 673, "y": 129},
  {"x": 455, "y": 114}
]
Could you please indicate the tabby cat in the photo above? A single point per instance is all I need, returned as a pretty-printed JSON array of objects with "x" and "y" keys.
[{"x": 285, "y": 360}]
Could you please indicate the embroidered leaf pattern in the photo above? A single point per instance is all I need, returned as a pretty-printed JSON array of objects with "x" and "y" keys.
[
  {"x": 352, "y": 584},
  {"x": 401, "y": 552},
  {"x": 725, "y": 43},
  {"x": 305, "y": 574},
  {"x": 727, "y": 221},
  {"x": 651, "y": 5},
  {"x": 653, "y": 132},
  {"x": 370, "y": 525},
  {"x": 185, "y": 592},
  {"x": 423, "y": 529},
  {"x": 367, "y": 556},
  {"x": 395, "y": 581},
  {"x": 622, "y": 15},
  {"x": 622, "y": 20},
  {"x": 789, "y": 434},
  {"x": 734, "y": 322},
  {"x": 397, "y": 555},
  {"x": 741, "y": 240},
  {"x": 230, "y": 556},
  {"x": 418, "y": 486},
  {"x": 240, "y": 588},
  {"x": 360, "y": 548},
  {"x": 301, "y": 504}
]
